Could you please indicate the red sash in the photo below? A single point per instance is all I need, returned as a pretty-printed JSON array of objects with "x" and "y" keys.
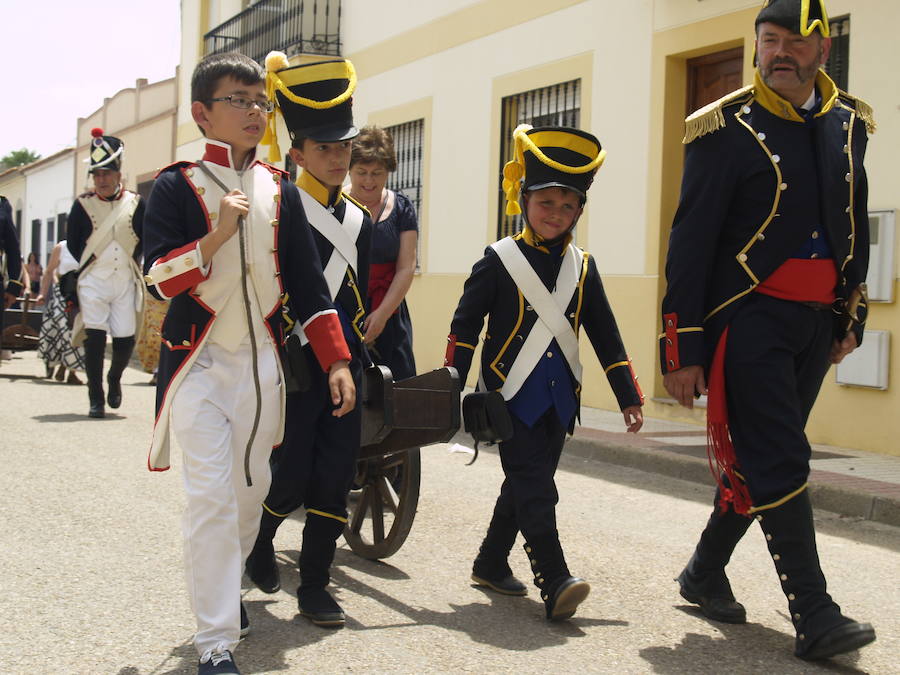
[
  {"x": 799, "y": 280},
  {"x": 381, "y": 275}
]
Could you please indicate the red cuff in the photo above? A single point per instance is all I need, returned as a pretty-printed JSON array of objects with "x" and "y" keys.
[
  {"x": 184, "y": 281},
  {"x": 451, "y": 350},
  {"x": 671, "y": 328},
  {"x": 327, "y": 339}
]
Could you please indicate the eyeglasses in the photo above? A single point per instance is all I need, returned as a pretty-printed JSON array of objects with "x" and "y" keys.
[{"x": 244, "y": 103}]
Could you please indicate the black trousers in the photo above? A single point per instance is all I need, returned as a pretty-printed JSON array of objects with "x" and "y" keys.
[
  {"x": 775, "y": 362},
  {"x": 529, "y": 461},
  {"x": 316, "y": 463}
]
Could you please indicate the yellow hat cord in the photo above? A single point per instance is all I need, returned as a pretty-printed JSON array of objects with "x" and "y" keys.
[
  {"x": 807, "y": 28},
  {"x": 273, "y": 83},
  {"x": 514, "y": 170}
]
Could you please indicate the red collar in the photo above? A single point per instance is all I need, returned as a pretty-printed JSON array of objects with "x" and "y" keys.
[{"x": 219, "y": 153}]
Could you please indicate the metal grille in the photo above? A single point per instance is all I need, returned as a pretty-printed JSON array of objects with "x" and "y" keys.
[
  {"x": 291, "y": 26},
  {"x": 556, "y": 105},
  {"x": 409, "y": 146},
  {"x": 838, "y": 64}
]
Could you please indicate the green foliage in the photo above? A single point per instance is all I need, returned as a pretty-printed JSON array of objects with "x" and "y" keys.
[{"x": 18, "y": 158}]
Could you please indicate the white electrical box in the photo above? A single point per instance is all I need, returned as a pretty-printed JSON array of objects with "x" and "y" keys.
[
  {"x": 868, "y": 365},
  {"x": 880, "y": 278}
]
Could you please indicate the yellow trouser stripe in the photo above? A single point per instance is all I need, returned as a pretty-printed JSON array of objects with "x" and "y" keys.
[
  {"x": 781, "y": 501},
  {"x": 275, "y": 513},
  {"x": 615, "y": 365},
  {"x": 326, "y": 515}
]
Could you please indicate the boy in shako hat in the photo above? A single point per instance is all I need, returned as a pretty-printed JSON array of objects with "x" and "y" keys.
[
  {"x": 538, "y": 289},
  {"x": 316, "y": 463},
  {"x": 104, "y": 235},
  {"x": 766, "y": 268},
  {"x": 227, "y": 242}
]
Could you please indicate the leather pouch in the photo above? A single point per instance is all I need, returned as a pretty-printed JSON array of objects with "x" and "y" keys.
[
  {"x": 486, "y": 418},
  {"x": 293, "y": 363}
]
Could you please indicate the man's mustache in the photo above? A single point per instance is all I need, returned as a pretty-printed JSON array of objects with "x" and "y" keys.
[{"x": 785, "y": 61}]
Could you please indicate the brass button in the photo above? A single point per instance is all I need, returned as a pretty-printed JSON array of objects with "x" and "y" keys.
[
  {"x": 801, "y": 636},
  {"x": 782, "y": 187},
  {"x": 276, "y": 198},
  {"x": 742, "y": 257},
  {"x": 761, "y": 236},
  {"x": 758, "y": 517},
  {"x": 669, "y": 323},
  {"x": 186, "y": 343},
  {"x": 791, "y": 597},
  {"x": 848, "y": 177},
  {"x": 148, "y": 279},
  {"x": 783, "y": 577},
  {"x": 572, "y": 315},
  {"x": 847, "y": 210},
  {"x": 797, "y": 616},
  {"x": 527, "y": 549},
  {"x": 846, "y": 126},
  {"x": 533, "y": 561},
  {"x": 775, "y": 556},
  {"x": 529, "y": 308},
  {"x": 549, "y": 355},
  {"x": 815, "y": 235},
  {"x": 189, "y": 173},
  {"x": 850, "y": 236},
  {"x": 276, "y": 177},
  {"x": 188, "y": 262},
  {"x": 847, "y": 149},
  {"x": 761, "y": 136},
  {"x": 540, "y": 580},
  {"x": 274, "y": 222},
  {"x": 671, "y": 364},
  {"x": 274, "y": 250},
  {"x": 768, "y": 537},
  {"x": 213, "y": 216},
  {"x": 668, "y": 342},
  {"x": 201, "y": 190},
  {"x": 746, "y": 109},
  {"x": 776, "y": 158},
  {"x": 167, "y": 269},
  {"x": 814, "y": 255}
]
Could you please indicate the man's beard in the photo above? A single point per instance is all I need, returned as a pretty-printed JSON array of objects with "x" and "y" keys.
[{"x": 803, "y": 75}]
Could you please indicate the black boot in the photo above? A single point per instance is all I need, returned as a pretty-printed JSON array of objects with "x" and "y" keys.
[
  {"x": 560, "y": 591},
  {"x": 822, "y": 630},
  {"x": 121, "y": 355},
  {"x": 320, "y": 535},
  {"x": 94, "y": 348},
  {"x": 703, "y": 581},
  {"x": 491, "y": 569},
  {"x": 261, "y": 566}
]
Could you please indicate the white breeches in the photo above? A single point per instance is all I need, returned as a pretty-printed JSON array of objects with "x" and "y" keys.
[
  {"x": 108, "y": 304},
  {"x": 212, "y": 416}
]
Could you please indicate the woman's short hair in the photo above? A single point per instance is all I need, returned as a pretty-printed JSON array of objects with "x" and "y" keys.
[{"x": 374, "y": 144}]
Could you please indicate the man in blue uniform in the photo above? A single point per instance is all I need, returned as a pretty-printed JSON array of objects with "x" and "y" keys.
[
  {"x": 316, "y": 463},
  {"x": 12, "y": 255},
  {"x": 766, "y": 268}
]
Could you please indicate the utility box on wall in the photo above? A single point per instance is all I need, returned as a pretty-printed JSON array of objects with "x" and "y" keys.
[
  {"x": 880, "y": 279},
  {"x": 868, "y": 365}
]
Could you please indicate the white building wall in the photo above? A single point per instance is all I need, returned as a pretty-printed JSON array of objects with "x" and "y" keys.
[{"x": 48, "y": 192}]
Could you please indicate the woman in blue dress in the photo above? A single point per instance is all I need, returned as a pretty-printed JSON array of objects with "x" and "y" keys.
[{"x": 395, "y": 232}]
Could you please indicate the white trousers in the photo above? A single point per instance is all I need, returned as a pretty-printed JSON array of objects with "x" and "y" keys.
[
  {"x": 212, "y": 416},
  {"x": 108, "y": 304}
]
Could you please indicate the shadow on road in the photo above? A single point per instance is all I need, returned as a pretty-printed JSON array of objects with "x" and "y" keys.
[{"x": 75, "y": 417}]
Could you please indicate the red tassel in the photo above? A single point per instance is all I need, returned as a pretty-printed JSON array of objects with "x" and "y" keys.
[{"x": 719, "y": 449}]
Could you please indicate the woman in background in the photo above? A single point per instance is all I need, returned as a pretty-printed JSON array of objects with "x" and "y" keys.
[
  {"x": 395, "y": 232},
  {"x": 55, "y": 340}
]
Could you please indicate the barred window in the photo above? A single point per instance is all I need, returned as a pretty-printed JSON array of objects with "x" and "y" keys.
[
  {"x": 838, "y": 64},
  {"x": 409, "y": 146},
  {"x": 556, "y": 105}
]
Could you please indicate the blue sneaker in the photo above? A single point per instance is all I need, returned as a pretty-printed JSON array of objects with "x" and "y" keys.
[
  {"x": 245, "y": 622},
  {"x": 218, "y": 663}
]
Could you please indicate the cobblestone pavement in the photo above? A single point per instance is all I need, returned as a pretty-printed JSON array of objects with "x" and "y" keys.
[{"x": 92, "y": 580}]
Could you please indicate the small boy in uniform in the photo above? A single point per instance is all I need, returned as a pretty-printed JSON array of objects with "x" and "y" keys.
[
  {"x": 316, "y": 463},
  {"x": 225, "y": 240},
  {"x": 538, "y": 289}
]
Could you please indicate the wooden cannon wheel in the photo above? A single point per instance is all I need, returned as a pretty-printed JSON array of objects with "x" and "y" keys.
[{"x": 383, "y": 507}]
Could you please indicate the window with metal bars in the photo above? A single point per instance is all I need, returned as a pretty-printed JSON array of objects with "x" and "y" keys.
[
  {"x": 409, "y": 146},
  {"x": 556, "y": 105},
  {"x": 838, "y": 64}
]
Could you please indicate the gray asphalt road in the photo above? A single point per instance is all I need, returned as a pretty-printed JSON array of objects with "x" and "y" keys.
[{"x": 92, "y": 579}]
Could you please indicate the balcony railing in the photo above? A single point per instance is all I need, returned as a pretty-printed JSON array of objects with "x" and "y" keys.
[{"x": 291, "y": 26}]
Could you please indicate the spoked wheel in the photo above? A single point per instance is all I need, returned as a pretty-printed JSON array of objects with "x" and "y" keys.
[{"x": 381, "y": 514}]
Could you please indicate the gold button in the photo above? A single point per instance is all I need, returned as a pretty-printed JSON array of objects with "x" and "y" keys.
[
  {"x": 201, "y": 190},
  {"x": 746, "y": 110},
  {"x": 533, "y": 561},
  {"x": 848, "y": 178},
  {"x": 167, "y": 269},
  {"x": 276, "y": 177},
  {"x": 761, "y": 236},
  {"x": 213, "y": 216},
  {"x": 801, "y": 636},
  {"x": 671, "y": 364},
  {"x": 669, "y": 323},
  {"x": 814, "y": 255},
  {"x": 791, "y": 597},
  {"x": 549, "y": 355},
  {"x": 776, "y": 158},
  {"x": 797, "y": 616},
  {"x": 846, "y": 126},
  {"x": 775, "y": 556},
  {"x": 847, "y": 210},
  {"x": 529, "y": 308},
  {"x": 783, "y": 577},
  {"x": 768, "y": 537},
  {"x": 572, "y": 315},
  {"x": 527, "y": 549},
  {"x": 782, "y": 187},
  {"x": 274, "y": 222},
  {"x": 815, "y": 235},
  {"x": 742, "y": 257},
  {"x": 761, "y": 136},
  {"x": 758, "y": 517},
  {"x": 189, "y": 173},
  {"x": 540, "y": 580},
  {"x": 274, "y": 250},
  {"x": 186, "y": 343},
  {"x": 668, "y": 341},
  {"x": 850, "y": 236},
  {"x": 847, "y": 149},
  {"x": 276, "y": 198}
]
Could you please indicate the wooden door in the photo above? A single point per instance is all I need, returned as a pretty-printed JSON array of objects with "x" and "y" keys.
[{"x": 712, "y": 76}]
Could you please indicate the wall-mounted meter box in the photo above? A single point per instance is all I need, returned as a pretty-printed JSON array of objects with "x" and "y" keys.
[
  {"x": 880, "y": 279},
  {"x": 868, "y": 365}
]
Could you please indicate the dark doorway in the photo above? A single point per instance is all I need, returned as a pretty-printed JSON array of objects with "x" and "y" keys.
[{"x": 711, "y": 76}]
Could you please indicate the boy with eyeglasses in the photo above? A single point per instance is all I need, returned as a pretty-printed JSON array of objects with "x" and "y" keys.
[{"x": 226, "y": 239}]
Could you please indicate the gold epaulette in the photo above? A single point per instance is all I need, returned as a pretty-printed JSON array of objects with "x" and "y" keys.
[
  {"x": 359, "y": 204},
  {"x": 710, "y": 117},
  {"x": 863, "y": 110}
]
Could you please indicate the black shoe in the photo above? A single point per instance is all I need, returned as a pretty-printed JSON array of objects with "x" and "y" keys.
[
  {"x": 844, "y": 638},
  {"x": 219, "y": 663},
  {"x": 507, "y": 586},
  {"x": 262, "y": 568},
  {"x": 96, "y": 410},
  {"x": 114, "y": 393},
  {"x": 318, "y": 606},
  {"x": 566, "y": 598},
  {"x": 718, "y": 606},
  {"x": 245, "y": 622}
]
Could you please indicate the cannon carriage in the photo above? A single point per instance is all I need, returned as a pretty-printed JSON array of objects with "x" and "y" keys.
[{"x": 398, "y": 419}]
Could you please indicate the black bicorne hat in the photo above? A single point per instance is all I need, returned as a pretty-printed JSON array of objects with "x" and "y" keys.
[
  {"x": 550, "y": 157},
  {"x": 315, "y": 99},
  {"x": 798, "y": 16},
  {"x": 106, "y": 151}
]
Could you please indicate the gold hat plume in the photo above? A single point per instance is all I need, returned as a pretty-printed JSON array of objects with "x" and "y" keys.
[{"x": 514, "y": 170}]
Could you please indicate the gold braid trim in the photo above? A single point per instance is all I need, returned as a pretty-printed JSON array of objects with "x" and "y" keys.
[
  {"x": 710, "y": 117},
  {"x": 865, "y": 113}
]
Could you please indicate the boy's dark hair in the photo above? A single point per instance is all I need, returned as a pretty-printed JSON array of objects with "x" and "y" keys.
[
  {"x": 297, "y": 141},
  {"x": 214, "y": 67}
]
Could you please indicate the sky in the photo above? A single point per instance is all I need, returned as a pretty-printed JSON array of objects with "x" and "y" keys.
[{"x": 61, "y": 58}]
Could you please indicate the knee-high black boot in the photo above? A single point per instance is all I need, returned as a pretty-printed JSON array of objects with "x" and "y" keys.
[
  {"x": 491, "y": 568},
  {"x": 703, "y": 580},
  {"x": 261, "y": 566},
  {"x": 560, "y": 591},
  {"x": 121, "y": 355},
  {"x": 822, "y": 630},
  {"x": 320, "y": 535},
  {"x": 94, "y": 348}
]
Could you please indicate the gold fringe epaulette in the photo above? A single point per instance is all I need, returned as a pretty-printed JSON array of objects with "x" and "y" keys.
[
  {"x": 710, "y": 117},
  {"x": 358, "y": 203},
  {"x": 863, "y": 110}
]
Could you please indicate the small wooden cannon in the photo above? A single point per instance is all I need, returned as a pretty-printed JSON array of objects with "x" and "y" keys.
[
  {"x": 398, "y": 418},
  {"x": 21, "y": 328}
]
